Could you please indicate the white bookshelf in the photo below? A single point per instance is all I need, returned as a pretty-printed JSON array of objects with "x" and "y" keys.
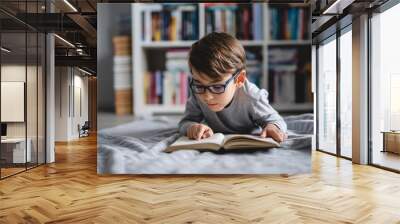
[
  {"x": 139, "y": 63},
  {"x": 288, "y": 42},
  {"x": 166, "y": 44}
]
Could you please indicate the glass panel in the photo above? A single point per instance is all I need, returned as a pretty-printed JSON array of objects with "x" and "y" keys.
[
  {"x": 346, "y": 94},
  {"x": 327, "y": 96},
  {"x": 41, "y": 99},
  {"x": 13, "y": 87},
  {"x": 385, "y": 84},
  {"x": 31, "y": 97},
  {"x": 23, "y": 89},
  {"x": 31, "y": 86}
]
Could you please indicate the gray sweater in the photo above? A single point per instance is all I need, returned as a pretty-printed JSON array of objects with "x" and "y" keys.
[{"x": 248, "y": 112}]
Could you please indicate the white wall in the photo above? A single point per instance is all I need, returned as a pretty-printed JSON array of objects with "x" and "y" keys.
[
  {"x": 79, "y": 117},
  {"x": 62, "y": 81},
  {"x": 69, "y": 82}
]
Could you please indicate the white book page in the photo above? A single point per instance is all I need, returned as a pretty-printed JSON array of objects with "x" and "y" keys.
[
  {"x": 213, "y": 142},
  {"x": 248, "y": 141}
]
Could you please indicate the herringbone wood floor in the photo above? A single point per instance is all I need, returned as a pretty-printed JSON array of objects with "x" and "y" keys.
[{"x": 70, "y": 191}]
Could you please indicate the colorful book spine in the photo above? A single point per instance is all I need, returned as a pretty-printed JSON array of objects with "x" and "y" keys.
[
  {"x": 246, "y": 24},
  {"x": 165, "y": 87},
  {"x": 170, "y": 22},
  {"x": 257, "y": 21},
  {"x": 183, "y": 87},
  {"x": 173, "y": 27},
  {"x": 289, "y": 24},
  {"x": 235, "y": 19},
  {"x": 156, "y": 24}
]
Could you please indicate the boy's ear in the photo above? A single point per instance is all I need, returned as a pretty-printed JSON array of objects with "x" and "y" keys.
[{"x": 241, "y": 78}]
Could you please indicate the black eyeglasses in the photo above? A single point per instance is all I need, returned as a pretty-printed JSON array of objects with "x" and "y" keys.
[{"x": 216, "y": 89}]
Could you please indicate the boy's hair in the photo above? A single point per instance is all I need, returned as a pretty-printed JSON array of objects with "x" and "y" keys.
[{"x": 216, "y": 54}]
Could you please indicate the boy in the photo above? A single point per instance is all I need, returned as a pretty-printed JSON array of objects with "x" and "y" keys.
[{"x": 223, "y": 97}]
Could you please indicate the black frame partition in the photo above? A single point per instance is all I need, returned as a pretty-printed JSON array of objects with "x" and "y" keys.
[
  {"x": 33, "y": 45},
  {"x": 333, "y": 33},
  {"x": 347, "y": 28},
  {"x": 342, "y": 25},
  {"x": 326, "y": 40}
]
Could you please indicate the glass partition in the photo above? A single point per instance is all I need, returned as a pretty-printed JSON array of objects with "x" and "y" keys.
[
  {"x": 41, "y": 87},
  {"x": 31, "y": 99},
  {"x": 346, "y": 93},
  {"x": 385, "y": 89},
  {"x": 14, "y": 153},
  {"x": 326, "y": 132},
  {"x": 22, "y": 78}
]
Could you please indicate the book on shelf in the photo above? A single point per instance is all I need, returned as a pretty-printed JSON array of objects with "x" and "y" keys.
[
  {"x": 239, "y": 20},
  {"x": 284, "y": 85},
  {"x": 254, "y": 72},
  {"x": 289, "y": 82},
  {"x": 169, "y": 86},
  {"x": 166, "y": 87},
  {"x": 289, "y": 23},
  {"x": 254, "y": 67},
  {"x": 221, "y": 142},
  {"x": 122, "y": 76},
  {"x": 169, "y": 22},
  {"x": 258, "y": 21}
]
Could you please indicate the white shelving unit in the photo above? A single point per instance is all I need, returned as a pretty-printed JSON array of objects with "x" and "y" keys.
[{"x": 139, "y": 63}]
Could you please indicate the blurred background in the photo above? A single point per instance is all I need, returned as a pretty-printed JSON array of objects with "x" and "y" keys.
[{"x": 143, "y": 49}]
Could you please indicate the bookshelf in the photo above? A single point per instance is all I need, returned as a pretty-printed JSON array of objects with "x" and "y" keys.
[{"x": 150, "y": 50}]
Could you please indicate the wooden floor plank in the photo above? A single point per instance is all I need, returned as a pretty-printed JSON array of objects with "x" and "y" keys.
[{"x": 70, "y": 191}]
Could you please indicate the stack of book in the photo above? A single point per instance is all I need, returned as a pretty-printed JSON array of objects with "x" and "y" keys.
[
  {"x": 289, "y": 23},
  {"x": 244, "y": 21},
  {"x": 122, "y": 75},
  {"x": 289, "y": 79},
  {"x": 169, "y": 87},
  {"x": 282, "y": 71},
  {"x": 254, "y": 68},
  {"x": 170, "y": 22}
]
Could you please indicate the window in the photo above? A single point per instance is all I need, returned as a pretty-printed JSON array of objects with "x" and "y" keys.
[
  {"x": 385, "y": 84},
  {"x": 327, "y": 96},
  {"x": 346, "y": 93}
]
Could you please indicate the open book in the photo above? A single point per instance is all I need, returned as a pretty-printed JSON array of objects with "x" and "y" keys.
[{"x": 220, "y": 141}]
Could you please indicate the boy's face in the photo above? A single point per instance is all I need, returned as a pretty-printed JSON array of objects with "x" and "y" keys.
[{"x": 217, "y": 102}]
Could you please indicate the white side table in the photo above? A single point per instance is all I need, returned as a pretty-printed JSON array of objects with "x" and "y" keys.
[{"x": 17, "y": 147}]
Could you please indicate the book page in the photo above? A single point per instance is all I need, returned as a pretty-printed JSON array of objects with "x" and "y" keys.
[
  {"x": 248, "y": 141},
  {"x": 213, "y": 143}
]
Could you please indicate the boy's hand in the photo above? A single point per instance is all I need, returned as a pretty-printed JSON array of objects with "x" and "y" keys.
[
  {"x": 271, "y": 130},
  {"x": 199, "y": 131}
]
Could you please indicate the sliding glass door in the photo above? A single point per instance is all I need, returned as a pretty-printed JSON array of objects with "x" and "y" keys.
[
  {"x": 334, "y": 94},
  {"x": 385, "y": 89},
  {"x": 345, "y": 60},
  {"x": 326, "y": 95},
  {"x": 14, "y": 145}
]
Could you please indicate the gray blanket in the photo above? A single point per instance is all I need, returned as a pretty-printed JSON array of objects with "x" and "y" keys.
[{"x": 137, "y": 148}]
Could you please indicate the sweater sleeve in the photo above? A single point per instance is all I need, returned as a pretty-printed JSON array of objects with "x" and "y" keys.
[
  {"x": 192, "y": 115},
  {"x": 264, "y": 114}
]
